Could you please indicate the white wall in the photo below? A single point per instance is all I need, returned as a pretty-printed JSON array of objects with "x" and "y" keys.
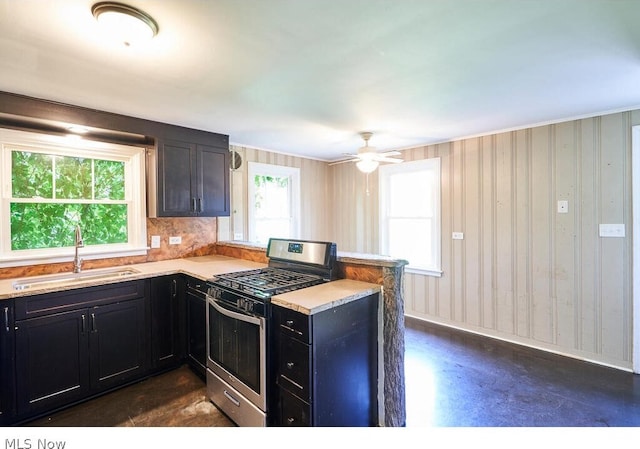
[
  {"x": 523, "y": 272},
  {"x": 314, "y": 194}
]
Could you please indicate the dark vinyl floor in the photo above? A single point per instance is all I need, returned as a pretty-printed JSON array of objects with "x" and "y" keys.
[
  {"x": 452, "y": 379},
  {"x": 455, "y": 378}
]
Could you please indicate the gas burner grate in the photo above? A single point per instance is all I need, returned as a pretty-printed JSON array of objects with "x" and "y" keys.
[{"x": 266, "y": 282}]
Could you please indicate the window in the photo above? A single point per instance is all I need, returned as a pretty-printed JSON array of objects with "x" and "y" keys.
[
  {"x": 51, "y": 184},
  {"x": 274, "y": 205},
  {"x": 410, "y": 214}
]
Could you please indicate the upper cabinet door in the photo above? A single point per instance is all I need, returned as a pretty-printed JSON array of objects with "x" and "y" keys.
[
  {"x": 212, "y": 181},
  {"x": 193, "y": 180},
  {"x": 175, "y": 168}
]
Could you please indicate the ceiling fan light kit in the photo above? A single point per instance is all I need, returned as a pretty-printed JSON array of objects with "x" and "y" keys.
[
  {"x": 367, "y": 165},
  {"x": 367, "y": 159}
]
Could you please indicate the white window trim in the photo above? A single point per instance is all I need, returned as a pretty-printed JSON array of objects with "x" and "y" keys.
[
  {"x": 257, "y": 168},
  {"x": 135, "y": 195},
  {"x": 407, "y": 167}
]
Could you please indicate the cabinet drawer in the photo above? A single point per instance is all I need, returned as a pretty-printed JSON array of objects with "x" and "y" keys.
[
  {"x": 294, "y": 412},
  {"x": 73, "y": 299},
  {"x": 293, "y": 367},
  {"x": 293, "y": 324}
]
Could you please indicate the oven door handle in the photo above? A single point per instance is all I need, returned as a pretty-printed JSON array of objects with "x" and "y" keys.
[{"x": 231, "y": 314}]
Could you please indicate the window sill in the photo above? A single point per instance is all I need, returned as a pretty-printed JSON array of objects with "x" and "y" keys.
[
  {"x": 67, "y": 255},
  {"x": 423, "y": 272}
]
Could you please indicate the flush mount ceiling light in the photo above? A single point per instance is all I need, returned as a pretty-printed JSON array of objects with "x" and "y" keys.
[{"x": 125, "y": 23}]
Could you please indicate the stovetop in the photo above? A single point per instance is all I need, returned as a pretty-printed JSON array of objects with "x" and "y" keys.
[{"x": 266, "y": 282}]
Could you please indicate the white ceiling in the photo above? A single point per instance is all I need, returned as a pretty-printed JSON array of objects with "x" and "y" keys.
[{"x": 305, "y": 76}]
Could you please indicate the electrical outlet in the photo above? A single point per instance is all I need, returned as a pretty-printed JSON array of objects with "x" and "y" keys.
[
  {"x": 155, "y": 241},
  {"x": 563, "y": 207},
  {"x": 175, "y": 240},
  {"x": 612, "y": 230},
  {"x": 457, "y": 236}
]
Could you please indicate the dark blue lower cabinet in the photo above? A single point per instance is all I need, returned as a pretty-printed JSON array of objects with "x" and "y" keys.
[
  {"x": 326, "y": 366},
  {"x": 7, "y": 363},
  {"x": 96, "y": 340}
]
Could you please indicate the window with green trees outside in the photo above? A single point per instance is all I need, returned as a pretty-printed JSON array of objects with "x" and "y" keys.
[
  {"x": 52, "y": 183},
  {"x": 52, "y": 194}
]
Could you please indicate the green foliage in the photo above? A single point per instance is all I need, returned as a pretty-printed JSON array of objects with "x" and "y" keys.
[
  {"x": 47, "y": 225},
  {"x": 31, "y": 175},
  {"x": 263, "y": 180},
  {"x": 73, "y": 178},
  {"x": 51, "y": 223},
  {"x": 109, "y": 180}
]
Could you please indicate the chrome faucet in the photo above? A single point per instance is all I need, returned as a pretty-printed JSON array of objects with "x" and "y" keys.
[{"x": 77, "y": 262}]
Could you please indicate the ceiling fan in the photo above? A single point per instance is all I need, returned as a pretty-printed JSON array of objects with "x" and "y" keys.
[{"x": 368, "y": 159}]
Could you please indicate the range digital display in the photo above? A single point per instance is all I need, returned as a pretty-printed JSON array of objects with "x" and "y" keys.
[{"x": 295, "y": 248}]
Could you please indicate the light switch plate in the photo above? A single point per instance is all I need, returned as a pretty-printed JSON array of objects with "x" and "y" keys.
[
  {"x": 612, "y": 230},
  {"x": 155, "y": 241},
  {"x": 457, "y": 235},
  {"x": 175, "y": 240}
]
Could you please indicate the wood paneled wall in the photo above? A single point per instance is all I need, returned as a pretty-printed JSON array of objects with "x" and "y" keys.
[
  {"x": 314, "y": 194},
  {"x": 524, "y": 272}
]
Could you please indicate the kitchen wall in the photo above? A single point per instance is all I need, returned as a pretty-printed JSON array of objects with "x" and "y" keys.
[
  {"x": 524, "y": 272},
  {"x": 315, "y": 190},
  {"x": 199, "y": 235},
  {"x": 198, "y": 238}
]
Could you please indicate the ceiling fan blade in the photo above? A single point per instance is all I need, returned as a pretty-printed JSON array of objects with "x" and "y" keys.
[
  {"x": 390, "y": 153},
  {"x": 387, "y": 159},
  {"x": 343, "y": 161}
]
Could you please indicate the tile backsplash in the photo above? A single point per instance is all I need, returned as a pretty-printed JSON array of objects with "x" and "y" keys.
[{"x": 198, "y": 235}]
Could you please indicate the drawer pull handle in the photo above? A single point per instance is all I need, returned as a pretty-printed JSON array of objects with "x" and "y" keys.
[
  {"x": 84, "y": 323},
  {"x": 290, "y": 365},
  {"x": 291, "y": 420},
  {"x": 6, "y": 319},
  {"x": 231, "y": 398},
  {"x": 289, "y": 326},
  {"x": 94, "y": 326},
  {"x": 292, "y": 382}
]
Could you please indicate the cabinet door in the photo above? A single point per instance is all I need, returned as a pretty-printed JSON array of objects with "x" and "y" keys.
[
  {"x": 196, "y": 330},
  {"x": 166, "y": 331},
  {"x": 7, "y": 362},
  {"x": 212, "y": 181},
  {"x": 117, "y": 342},
  {"x": 176, "y": 162},
  {"x": 52, "y": 355}
]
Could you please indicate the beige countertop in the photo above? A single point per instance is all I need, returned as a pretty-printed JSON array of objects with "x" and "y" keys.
[
  {"x": 199, "y": 267},
  {"x": 325, "y": 296},
  {"x": 309, "y": 300}
]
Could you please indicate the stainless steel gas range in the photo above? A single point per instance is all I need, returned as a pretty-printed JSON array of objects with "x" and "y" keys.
[{"x": 239, "y": 372}]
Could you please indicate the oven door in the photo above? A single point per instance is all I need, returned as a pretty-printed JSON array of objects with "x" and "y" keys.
[{"x": 236, "y": 360}]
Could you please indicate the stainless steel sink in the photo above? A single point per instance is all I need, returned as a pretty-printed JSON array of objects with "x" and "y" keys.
[{"x": 71, "y": 278}]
